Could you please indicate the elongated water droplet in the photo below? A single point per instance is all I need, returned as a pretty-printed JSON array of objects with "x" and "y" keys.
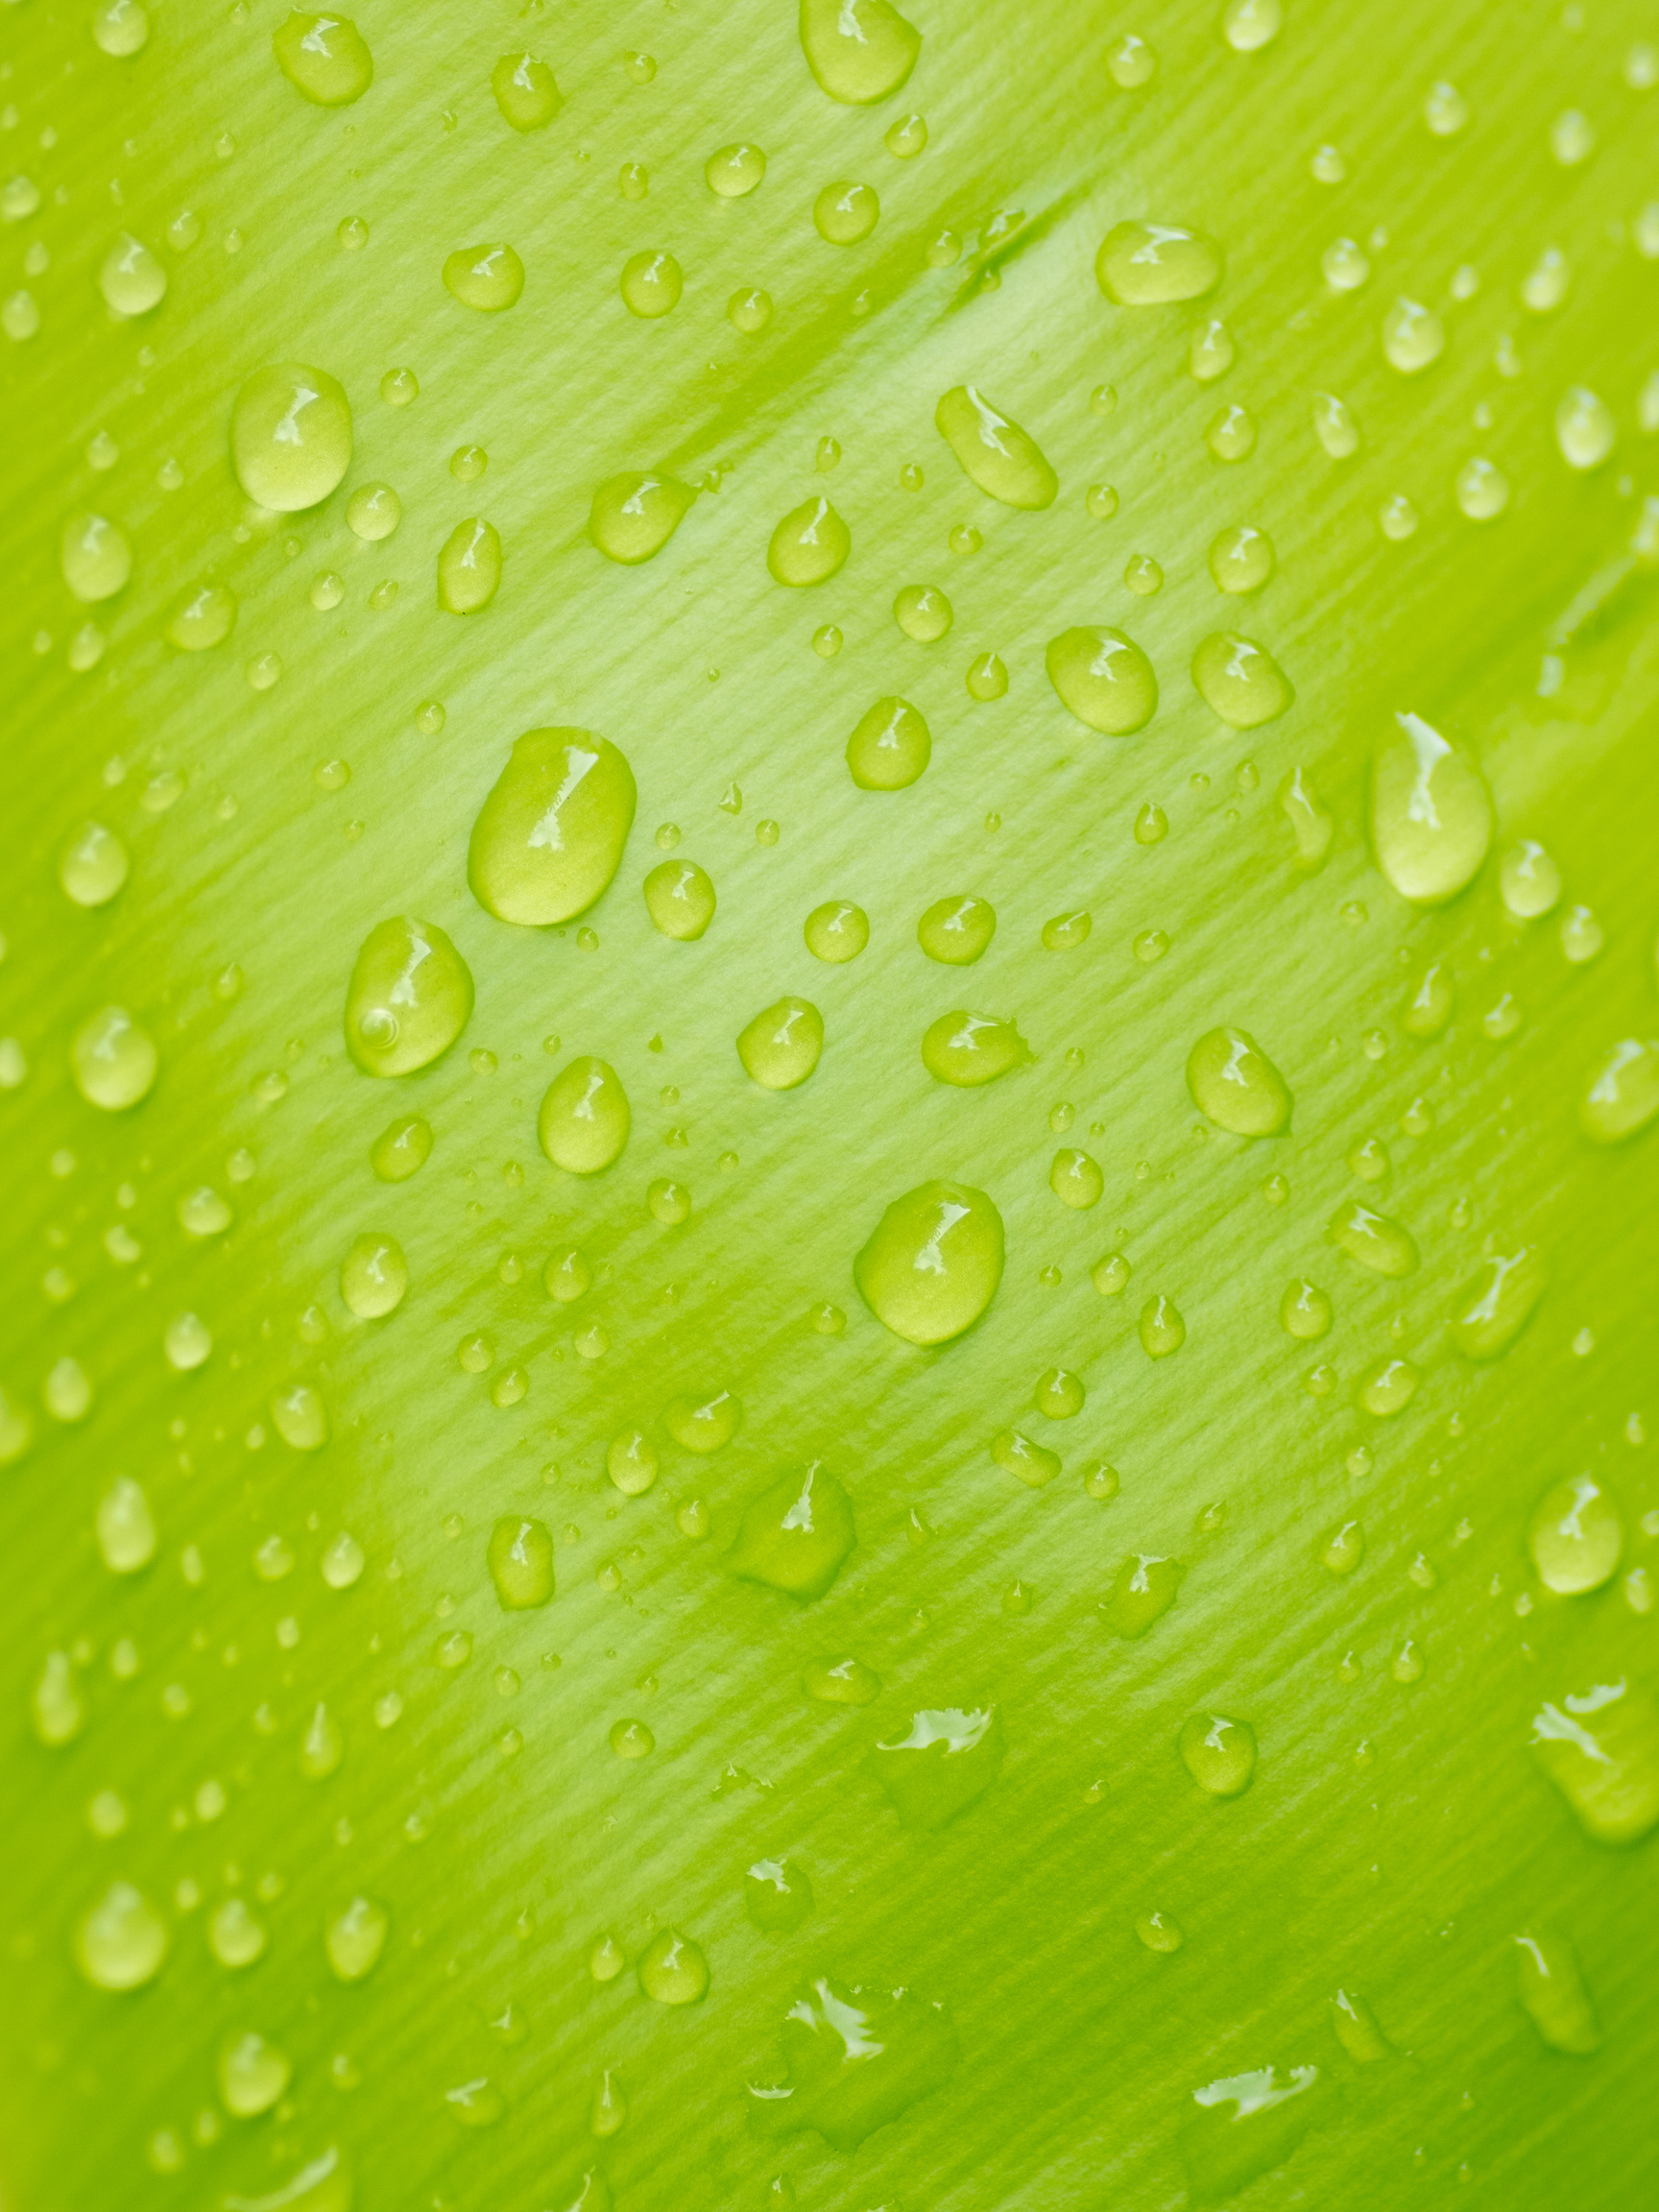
[
  {"x": 1430, "y": 814},
  {"x": 1429, "y": 1007},
  {"x": 550, "y": 835},
  {"x": 780, "y": 1048},
  {"x": 409, "y": 998},
  {"x": 841, "y": 1682},
  {"x": 1143, "y": 1587},
  {"x": 1528, "y": 880},
  {"x": 633, "y": 517},
  {"x": 126, "y": 1527},
  {"x": 526, "y": 92},
  {"x": 373, "y": 1277},
  {"x": 520, "y": 1560},
  {"x": 487, "y": 279},
  {"x": 1219, "y": 1754},
  {"x": 1553, "y": 1991},
  {"x": 859, "y": 50},
  {"x": 809, "y": 545},
  {"x": 1104, "y": 679},
  {"x": 967, "y": 1050},
  {"x": 1376, "y": 1243},
  {"x": 1334, "y": 426},
  {"x": 1236, "y": 1086},
  {"x": 290, "y": 437},
  {"x": 1310, "y": 820},
  {"x": 324, "y": 57},
  {"x": 1356, "y": 2028},
  {"x": 1600, "y": 1748},
  {"x": 1623, "y": 1096},
  {"x": 469, "y": 566},
  {"x": 1143, "y": 264},
  {"x": 1576, "y": 1536},
  {"x": 401, "y": 1149},
  {"x": 1344, "y": 1551},
  {"x": 1492, "y": 1308},
  {"x": 355, "y": 1938},
  {"x": 1161, "y": 1328},
  {"x": 932, "y": 1263},
  {"x": 1584, "y": 428},
  {"x": 995, "y": 454},
  {"x": 890, "y": 747},
  {"x": 1241, "y": 681},
  {"x": 585, "y": 1119}
]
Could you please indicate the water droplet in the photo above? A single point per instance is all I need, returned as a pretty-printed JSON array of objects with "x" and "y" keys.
[
  {"x": 995, "y": 454},
  {"x": 253, "y": 2074},
  {"x": 967, "y": 1050},
  {"x": 299, "y": 1417},
  {"x": 932, "y": 1264},
  {"x": 1344, "y": 265},
  {"x": 1104, "y": 679},
  {"x": 781, "y": 1046},
  {"x": 1576, "y": 1536},
  {"x": 1345, "y": 1550},
  {"x": 469, "y": 568},
  {"x": 1528, "y": 880},
  {"x": 324, "y": 57},
  {"x": 525, "y": 91},
  {"x": 1033, "y": 1463},
  {"x": 906, "y": 138},
  {"x": 651, "y": 284},
  {"x": 120, "y": 27},
  {"x": 1306, "y": 1312},
  {"x": 1413, "y": 336},
  {"x": 1144, "y": 1588},
  {"x": 890, "y": 747},
  {"x": 956, "y": 932},
  {"x": 632, "y": 1739},
  {"x": 859, "y": 50},
  {"x": 1481, "y": 490},
  {"x": 95, "y": 556},
  {"x": 93, "y": 865},
  {"x": 1242, "y": 559},
  {"x": 290, "y": 437},
  {"x": 749, "y": 311},
  {"x": 924, "y": 612},
  {"x": 949, "y": 1758},
  {"x": 1374, "y": 1240},
  {"x": 373, "y": 1277},
  {"x": 1334, "y": 426},
  {"x": 583, "y": 1119},
  {"x": 987, "y": 678},
  {"x": 1388, "y": 1387},
  {"x": 1144, "y": 264},
  {"x": 1101, "y": 501},
  {"x": 1585, "y": 430},
  {"x": 235, "y": 1938},
  {"x": 549, "y": 837},
  {"x": 631, "y": 1461},
  {"x": 1623, "y": 1096},
  {"x": 809, "y": 545},
  {"x": 1075, "y": 1179},
  {"x": 402, "y": 1149},
  {"x": 1357, "y": 2030},
  {"x": 1130, "y": 62},
  {"x": 355, "y": 1938},
  {"x": 131, "y": 279},
  {"x": 1582, "y": 935},
  {"x": 680, "y": 899},
  {"x": 1445, "y": 110},
  {"x": 204, "y": 617},
  {"x": 1546, "y": 284},
  {"x": 837, "y": 931},
  {"x": 1234, "y": 1082},
  {"x": 1430, "y": 814},
  {"x": 1492, "y": 1308},
  {"x": 633, "y": 517},
  {"x": 122, "y": 1940},
  {"x": 777, "y": 1895},
  {"x": 113, "y": 1060},
  {"x": 1143, "y": 575},
  {"x": 1553, "y": 1991},
  {"x": 1248, "y": 25},
  {"x": 1397, "y": 518},
  {"x": 1161, "y": 1328},
  {"x": 1429, "y": 1007},
  {"x": 409, "y": 998},
  {"x": 673, "y": 1970},
  {"x": 1572, "y": 138},
  {"x": 1230, "y": 435},
  {"x": 1310, "y": 820},
  {"x": 1219, "y": 1754},
  {"x": 126, "y": 1527},
  {"x": 342, "y": 1563}
]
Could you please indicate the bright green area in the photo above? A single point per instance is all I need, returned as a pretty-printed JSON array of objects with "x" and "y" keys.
[{"x": 438, "y": 1895}]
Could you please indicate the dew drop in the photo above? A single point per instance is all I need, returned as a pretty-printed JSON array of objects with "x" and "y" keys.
[
  {"x": 781, "y": 1046},
  {"x": 997, "y": 455},
  {"x": 583, "y": 1119},
  {"x": 932, "y": 1264},
  {"x": 290, "y": 437},
  {"x": 113, "y": 1060},
  {"x": 1219, "y": 1754},
  {"x": 890, "y": 747},
  {"x": 1144, "y": 264},
  {"x": 550, "y": 835},
  {"x": 122, "y": 1940},
  {"x": 409, "y": 998},
  {"x": 324, "y": 57},
  {"x": 526, "y": 92}
]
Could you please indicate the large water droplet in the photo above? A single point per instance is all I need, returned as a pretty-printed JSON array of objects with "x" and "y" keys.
[
  {"x": 95, "y": 556},
  {"x": 1219, "y": 1754},
  {"x": 844, "y": 213},
  {"x": 125, "y": 1527},
  {"x": 949, "y": 1759},
  {"x": 673, "y": 1970},
  {"x": 1412, "y": 336},
  {"x": 808, "y": 546},
  {"x": 1147, "y": 264},
  {"x": 1553, "y": 1991},
  {"x": 520, "y": 1560},
  {"x": 1492, "y": 1308},
  {"x": 1241, "y": 681},
  {"x": 967, "y": 1050},
  {"x": 113, "y": 1060},
  {"x": 836, "y": 932},
  {"x": 795, "y": 1534},
  {"x": 374, "y": 1276},
  {"x": 780, "y": 1049},
  {"x": 1249, "y": 25},
  {"x": 487, "y": 279},
  {"x": 860, "y": 51},
  {"x": 355, "y": 1938},
  {"x": 324, "y": 57},
  {"x": 890, "y": 747},
  {"x": 1576, "y": 1536},
  {"x": 1430, "y": 814},
  {"x": 1623, "y": 1096},
  {"x": 995, "y": 454},
  {"x": 651, "y": 285},
  {"x": 549, "y": 837},
  {"x": 633, "y": 515},
  {"x": 1600, "y": 1748},
  {"x": 1236, "y": 1086},
  {"x": 131, "y": 279},
  {"x": 526, "y": 92},
  {"x": 585, "y": 1118},
  {"x": 253, "y": 2074},
  {"x": 932, "y": 1263},
  {"x": 290, "y": 437},
  {"x": 1242, "y": 559},
  {"x": 1306, "y": 1312},
  {"x": 956, "y": 932},
  {"x": 1143, "y": 1587},
  {"x": 1104, "y": 679},
  {"x": 122, "y": 1940},
  {"x": 469, "y": 566},
  {"x": 1239, "y": 2127},
  {"x": 1584, "y": 428},
  {"x": 1376, "y": 1243},
  {"x": 93, "y": 865},
  {"x": 409, "y": 998}
]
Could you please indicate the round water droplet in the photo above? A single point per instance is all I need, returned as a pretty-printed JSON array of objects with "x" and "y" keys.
[
  {"x": 1075, "y": 1179},
  {"x": 1445, "y": 110},
  {"x": 995, "y": 454},
  {"x": 1144, "y": 264},
  {"x": 93, "y": 865},
  {"x": 121, "y": 1942},
  {"x": 1236, "y": 1086},
  {"x": 1344, "y": 265},
  {"x": 299, "y": 1417},
  {"x": 631, "y": 1461},
  {"x": 1104, "y": 679},
  {"x": 680, "y": 899},
  {"x": 987, "y": 677},
  {"x": 131, "y": 279},
  {"x": 1430, "y": 814},
  {"x": 1412, "y": 336},
  {"x": 113, "y": 1060},
  {"x": 749, "y": 311},
  {"x": 290, "y": 437},
  {"x": 1130, "y": 62},
  {"x": 409, "y": 998},
  {"x": 1219, "y": 1754},
  {"x": 374, "y": 1276},
  {"x": 932, "y": 1264},
  {"x": 1334, "y": 426},
  {"x": 550, "y": 835},
  {"x": 469, "y": 568},
  {"x": 735, "y": 171},
  {"x": 120, "y": 27},
  {"x": 1248, "y": 25},
  {"x": 859, "y": 50},
  {"x": 488, "y": 278},
  {"x": 703, "y": 1424},
  {"x": 837, "y": 931},
  {"x": 779, "y": 1048},
  {"x": 1528, "y": 880},
  {"x": 95, "y": 556},
  {"x": 1576, "y": 1536},
  {"x": 1161, "y": 1328},
  {"x": 1241, "y": 681},
  {"x": 956, "y": 932},
  {"x": 204, "y": 617},
  {"x": 1242, "y": 559},
  {"x": 355, "y": 1938},
  {"x": 1373, "y": 1239},
  {"x": 402, "y": 1149},
  {"x": 1230, "y": 435},
  {"x": 967, "y": 1050},
  {"x": 1623, "y": 1092},
  {"x": 890, "y": 747},
  {"x": 124, "y": 1527},
  {"x": 1388, "y": 1387},
  {"x": 526, "y": 92},
  {"x": 567, "y": 1276},
  {"x": 1306, "y": 1312},
  {"x": 253, "y": 2074},
  {"x": 809, "y": 545},
  {"x": 651, "y": 284},
  {"x": 1584, "y": 428},
  {"x": 924, "y": 612},
  {"x": 844, "y": 213},
  {"x": 633, "y": 517},
  {"x": 324, "y": 57},
  {"x": 672, "y": 1969},
  {"x": 585, "y": 1119}
]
